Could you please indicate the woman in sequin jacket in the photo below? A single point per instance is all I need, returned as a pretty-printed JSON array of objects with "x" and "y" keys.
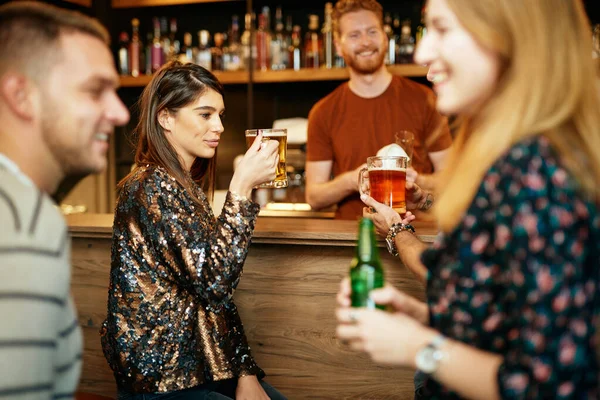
[
  {"x": 172, "y": 329},
  {"x": 512, "y": 281}
]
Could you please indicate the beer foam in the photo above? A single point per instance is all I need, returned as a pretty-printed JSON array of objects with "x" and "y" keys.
[
  {"x": 390, "y": 165},
  {"x": 392, "y": 150}
]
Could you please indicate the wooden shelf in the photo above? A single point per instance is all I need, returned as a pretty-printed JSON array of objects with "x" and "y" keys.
[
  {"x": 334, "y": 74},
  {"x": 304, "y": 75},
  {"x": 85, "y": 3},
  {"x": 230, "y": 77},
  {"x": 153, "y": 3}
]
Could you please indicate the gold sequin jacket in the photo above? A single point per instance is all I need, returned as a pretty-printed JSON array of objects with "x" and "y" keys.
[{"x": 171, "y": 322}]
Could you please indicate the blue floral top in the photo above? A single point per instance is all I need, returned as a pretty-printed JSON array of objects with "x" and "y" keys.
[{"x": 519, "y": 277}]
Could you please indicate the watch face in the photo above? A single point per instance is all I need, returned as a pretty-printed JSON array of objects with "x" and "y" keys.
[{"x": 426, "y": 360}]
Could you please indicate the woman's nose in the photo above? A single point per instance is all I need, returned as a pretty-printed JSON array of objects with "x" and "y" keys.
[{"x": 425, "y": 52}]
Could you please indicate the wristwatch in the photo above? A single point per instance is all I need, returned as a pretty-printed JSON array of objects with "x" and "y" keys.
[
  {"x": 428, "y": 357},
  {"x": 394, "y": 230}
]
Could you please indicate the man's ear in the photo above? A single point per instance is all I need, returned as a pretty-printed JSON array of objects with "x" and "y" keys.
[
  {"x": 17, "y": 92},
  {"x": 165, "y": 119}
]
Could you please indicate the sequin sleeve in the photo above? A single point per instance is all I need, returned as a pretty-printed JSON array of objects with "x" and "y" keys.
[{"x": 204, "y": 253}]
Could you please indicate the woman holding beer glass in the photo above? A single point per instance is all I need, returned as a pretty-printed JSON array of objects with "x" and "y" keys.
[
  {"x": 172, "y": 329},
  {"x": 512, "y": 279}
]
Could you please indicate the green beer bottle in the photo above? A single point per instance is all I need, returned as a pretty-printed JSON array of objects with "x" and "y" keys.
[{"x": 366, "y": 272}]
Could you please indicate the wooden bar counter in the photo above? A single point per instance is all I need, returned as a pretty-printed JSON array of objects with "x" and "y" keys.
[{"x": 286, "y": 299}]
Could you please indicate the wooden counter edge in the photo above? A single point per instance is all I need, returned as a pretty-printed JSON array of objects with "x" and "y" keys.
[{"x": 301, "y": 231}]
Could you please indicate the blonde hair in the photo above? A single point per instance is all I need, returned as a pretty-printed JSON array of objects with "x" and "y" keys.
[{"x": 548, "y": 86}]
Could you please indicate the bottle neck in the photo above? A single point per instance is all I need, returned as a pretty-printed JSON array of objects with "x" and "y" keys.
[{"x": 366, "y": 250}]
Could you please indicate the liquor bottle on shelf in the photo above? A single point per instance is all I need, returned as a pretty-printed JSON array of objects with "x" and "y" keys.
[
  {"x": 313, "y": 43},
  {"x": 406, "y": 47},
  {"x": 165, "y": 41},
  {"x": 135, "y": 48},
  {"x": 263, "y": 41},
  {"x": 266, "y": 11},
  {"x": 148, "y": 54},
  {"x": 421, "y": 29},
  {"x": 186, "y": 55},
  {"x": 295, "y": 50},
  {"x": 278, "y": 48},
  {"x": 123, "y": 54},
  {"x": 249, "y": 43},
  {"x": 216, "y": 53},
  {"x": 232, "y": 54},
  {"x": 397, "y": 30},
  {"x": 175, "y": 45},
  {"x": 157, "y": 51},
  {"x": 390, "y": 57},
  {"x": 204, "y": 58},
  {"x": 287, "y": 37},
  {"x": 328, "y": 37}
]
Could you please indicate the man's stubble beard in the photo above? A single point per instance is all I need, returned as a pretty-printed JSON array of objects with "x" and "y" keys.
[{"x": 366, "y": 70}]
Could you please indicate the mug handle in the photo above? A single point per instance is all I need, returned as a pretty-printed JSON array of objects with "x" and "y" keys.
[{"x": 362, "y": 183}]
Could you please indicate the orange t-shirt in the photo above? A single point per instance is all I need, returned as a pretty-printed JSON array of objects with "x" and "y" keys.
[{"x": 346, "y": 129}]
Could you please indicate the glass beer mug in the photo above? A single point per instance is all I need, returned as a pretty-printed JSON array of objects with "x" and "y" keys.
[
  {"x": 386, "y": 177},
  {"x": 281, "y": 180}
]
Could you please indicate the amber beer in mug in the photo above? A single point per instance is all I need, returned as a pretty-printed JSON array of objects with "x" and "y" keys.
[
  {"x": 386, "y": 178},
  {"x": 280, "y": 135}
]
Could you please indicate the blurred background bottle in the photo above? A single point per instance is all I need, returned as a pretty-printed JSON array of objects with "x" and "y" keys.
[
  {"x": 406, "y": 47},
  {"x": 263, "y": 43},
  {"x": 313, "y": 44},
  {"x": 123, "y": 59},
  {"x": 134, "y": 48},
  {"x": 204, "y": 56},
  {"x": 295, "y": 49},
  {"x": 421, "y": 29},
  {"x": 328, "y": 36},
  {"x": 366, "y": 271}
]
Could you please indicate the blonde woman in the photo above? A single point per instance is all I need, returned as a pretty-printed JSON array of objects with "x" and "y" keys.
[{"x": 512, "y": 280}]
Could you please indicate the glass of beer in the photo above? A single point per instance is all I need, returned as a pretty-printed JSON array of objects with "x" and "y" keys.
[
  {"x": 281, "y": 180},
  {"x": 386, "y": 177}
]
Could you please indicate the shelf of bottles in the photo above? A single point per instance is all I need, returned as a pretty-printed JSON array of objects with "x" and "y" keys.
[
  {"x": 282, "y": 54},
  {"x": 152, "y": 3}
]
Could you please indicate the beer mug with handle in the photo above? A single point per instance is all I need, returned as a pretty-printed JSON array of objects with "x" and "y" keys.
[
  {"x": 281, "y": 180},
  {"x": 384, "y": 179}
]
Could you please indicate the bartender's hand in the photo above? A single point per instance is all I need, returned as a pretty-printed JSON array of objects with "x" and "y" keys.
[
  {"x": 417, "y": 198},
  {"x": 257, "y": 166},
  {"x": 249, "y": 388},
  {"x": 354, "y": 177},
  {"x": 411, "y": 175}
]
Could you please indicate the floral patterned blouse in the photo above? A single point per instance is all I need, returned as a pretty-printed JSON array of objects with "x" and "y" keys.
[{"x": 519, "y": 277}]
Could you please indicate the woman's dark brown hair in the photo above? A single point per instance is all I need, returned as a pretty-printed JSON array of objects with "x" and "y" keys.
[{"x": 172, "y": 87}]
